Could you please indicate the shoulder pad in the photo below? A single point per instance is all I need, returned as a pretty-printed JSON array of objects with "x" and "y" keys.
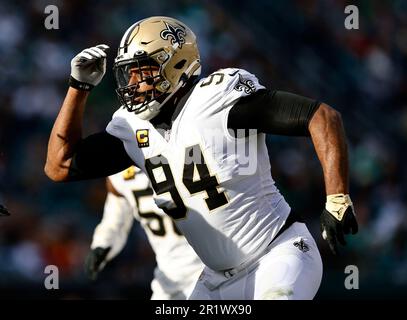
[
  {"x": 123, "y": 123},
  {"x": 226, "y": 86}
]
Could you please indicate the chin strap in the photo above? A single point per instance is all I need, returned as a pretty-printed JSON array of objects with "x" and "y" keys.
[{"x": 183, "y": 80}]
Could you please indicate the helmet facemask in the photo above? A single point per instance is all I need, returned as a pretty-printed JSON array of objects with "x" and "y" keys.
[{"x": 148, "y": 71}]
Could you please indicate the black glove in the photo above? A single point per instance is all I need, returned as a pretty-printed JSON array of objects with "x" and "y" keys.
[
  {"x": 4, "y": 211},
  {"x": 95, "y": 261},
  {"x": 338, "y": 219}
]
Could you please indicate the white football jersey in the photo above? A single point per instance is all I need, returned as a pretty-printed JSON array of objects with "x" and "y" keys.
[
  {"x": 217, "y": 187},
  {"x": 178, "y": 266}
]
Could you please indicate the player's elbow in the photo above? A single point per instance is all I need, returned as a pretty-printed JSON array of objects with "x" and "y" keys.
[
  {"x": 325, "y": 116},
  {"x": 332, "y": 115},
  {"x": 55, "y": 172}
]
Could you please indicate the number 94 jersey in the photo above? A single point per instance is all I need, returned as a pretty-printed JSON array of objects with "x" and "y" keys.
[{"x": 217, "y": 186}]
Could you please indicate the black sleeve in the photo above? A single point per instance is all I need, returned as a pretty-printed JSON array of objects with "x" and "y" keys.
[
  {"x": 98, "y": 155},
  {"x": 274, "y": 112}
]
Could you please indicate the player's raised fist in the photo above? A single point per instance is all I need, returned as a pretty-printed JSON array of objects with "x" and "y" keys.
[{"x": 88, "y": 67}]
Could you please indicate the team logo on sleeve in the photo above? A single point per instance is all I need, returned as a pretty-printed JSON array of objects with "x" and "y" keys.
[
  {"x": 142, "y": 138},
  {"x": 245, "y": 85},
  {"x": 301, "y": 245},
  {"x": 176, "y": 34}
]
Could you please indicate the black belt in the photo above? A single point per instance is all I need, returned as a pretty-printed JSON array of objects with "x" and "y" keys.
[{"x": 292, "y": 217}]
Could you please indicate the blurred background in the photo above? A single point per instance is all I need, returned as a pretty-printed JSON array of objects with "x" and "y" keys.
[{"x": 297, "y": 46}]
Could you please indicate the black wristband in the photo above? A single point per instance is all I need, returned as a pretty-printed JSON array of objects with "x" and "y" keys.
[{"x": 80, "y": 85}]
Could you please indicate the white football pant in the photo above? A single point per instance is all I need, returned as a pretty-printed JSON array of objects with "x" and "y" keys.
[{"x": 289, "y": 269}]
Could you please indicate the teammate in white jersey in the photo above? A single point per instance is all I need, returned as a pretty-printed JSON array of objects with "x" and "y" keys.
[
  {"x": 202, "y": 144},
  {"x": 131, "y": 197}
]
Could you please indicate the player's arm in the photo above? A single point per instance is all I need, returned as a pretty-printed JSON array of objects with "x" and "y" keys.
[
  {"x": 328, "y": 136},
  {"x": 111, "y": 233},
  {"x": 70, "y": 157},
  {"x": 277, "y": 112}
]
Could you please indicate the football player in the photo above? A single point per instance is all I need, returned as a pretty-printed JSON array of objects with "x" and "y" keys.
[
  {"x": 131, "y": 197},
  {"x": 191, "y": 137}
]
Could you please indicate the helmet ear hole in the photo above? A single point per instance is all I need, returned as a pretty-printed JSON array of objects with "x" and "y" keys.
[
  {"x": 180, "y": 64},
  {"x": 163, "y": 86}
]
